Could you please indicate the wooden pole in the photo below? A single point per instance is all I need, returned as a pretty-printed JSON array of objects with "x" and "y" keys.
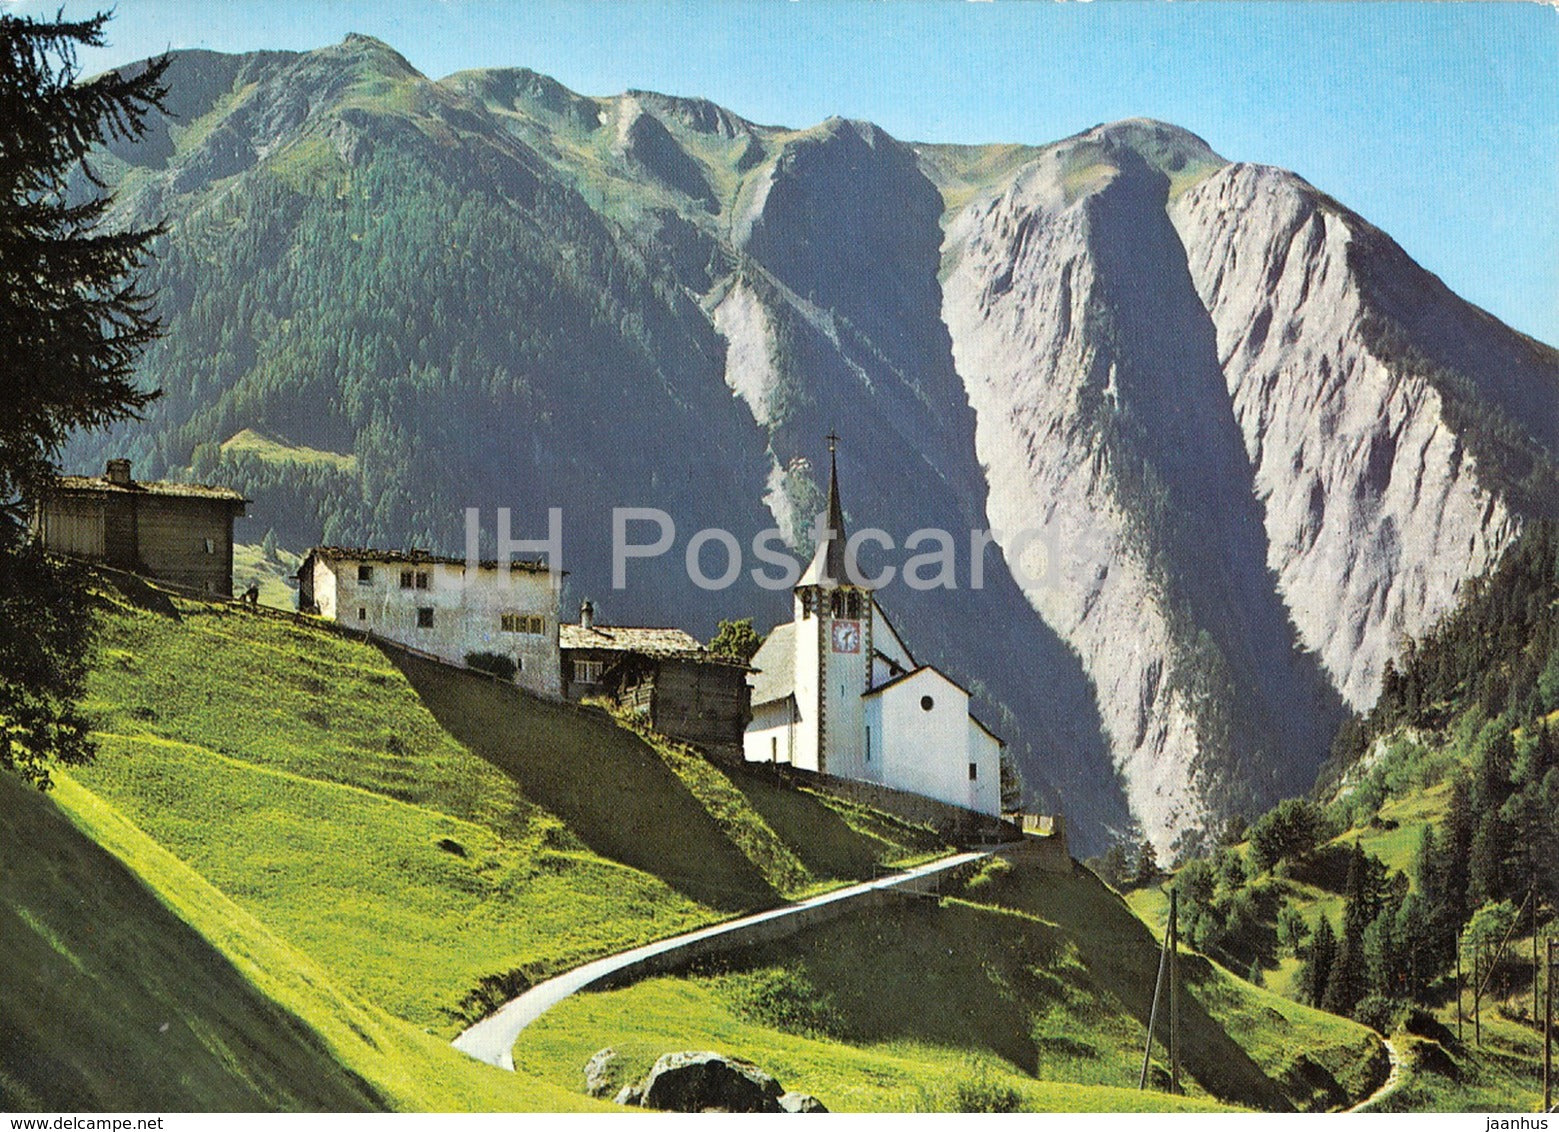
[
  {"x": 1174, "y": 992},
  {"x": 1548, "y": 1034},
  {"x": 1458, "y": 989},
  {"x": 1477, "y": 996},
  {"x": 1158, "y": 985}
]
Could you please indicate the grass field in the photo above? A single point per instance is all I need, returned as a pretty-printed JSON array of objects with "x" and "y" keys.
[
  {"x": 1043, "y": 980},
  {"x": 367, "y": 849},
  {"x": 888, "y": 1076},
  {"x": 131, "y": 984},
  {"x": 423, "y": 834}
]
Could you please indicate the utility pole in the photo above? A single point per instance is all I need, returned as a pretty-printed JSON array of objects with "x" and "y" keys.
[
  {"x": 1158, "y": 986},
  {"x": 1477, "y": 996},
  {"x": 1458, "y": 989},
  {"x": 1174, "y": 992},
  {"x": 1548, "y": 1032}
]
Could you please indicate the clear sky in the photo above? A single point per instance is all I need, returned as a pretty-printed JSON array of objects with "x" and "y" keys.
[{"x": 1437, "y": 121}]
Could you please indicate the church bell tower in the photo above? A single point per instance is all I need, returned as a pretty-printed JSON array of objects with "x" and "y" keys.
[{"x": 833, "y": 615}]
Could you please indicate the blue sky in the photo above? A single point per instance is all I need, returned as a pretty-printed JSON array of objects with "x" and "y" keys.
[{"x": 1437, "y": 121}]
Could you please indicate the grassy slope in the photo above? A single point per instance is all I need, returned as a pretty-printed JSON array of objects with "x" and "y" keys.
[
  {"x": 123, "y": 962},
  {"x": 413, "y": 829},
  {"x": 1042, "y": 976},
  {"x": 251, "y": 564},
  {"x": 1440, "y": 1075}
]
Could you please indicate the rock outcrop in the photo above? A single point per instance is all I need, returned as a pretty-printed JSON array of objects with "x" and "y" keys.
[{"x": 711, "y": 1082}]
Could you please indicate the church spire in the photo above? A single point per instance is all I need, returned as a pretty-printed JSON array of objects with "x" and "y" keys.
[{"x": 828, "y": 564}]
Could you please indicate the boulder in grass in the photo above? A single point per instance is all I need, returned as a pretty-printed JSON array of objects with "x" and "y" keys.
[
  {"x": 702, "y": 1081},
  {"x": 800, "y": 1102},
  {"x": 601, "y": 1072}
]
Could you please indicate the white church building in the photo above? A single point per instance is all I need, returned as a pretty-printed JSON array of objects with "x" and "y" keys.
[{"x": 838, "y": 692}]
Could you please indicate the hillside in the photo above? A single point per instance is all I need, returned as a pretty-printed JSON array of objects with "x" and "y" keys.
[
  {"x": 389, "y": 298},
  {"x": 137, "y": 985},
  {"x": 1028, "y": 990},
  {"x": 362, "y": 856},
  {"x": 320, "y": 856},
  {"x": 1446, "y": 793}
]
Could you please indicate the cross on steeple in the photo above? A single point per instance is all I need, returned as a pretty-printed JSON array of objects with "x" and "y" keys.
[{"x": 833, "y": 441}]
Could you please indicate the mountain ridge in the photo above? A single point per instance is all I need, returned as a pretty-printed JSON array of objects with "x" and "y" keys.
[{"x": 491, "y": 290}]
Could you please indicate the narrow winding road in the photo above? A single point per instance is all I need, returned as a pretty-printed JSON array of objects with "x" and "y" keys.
[
  {"x": 1393, "y": 1079},
  {"x": 492, "y": 1039}
]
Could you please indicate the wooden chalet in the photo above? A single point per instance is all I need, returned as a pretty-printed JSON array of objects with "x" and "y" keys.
[
  {"x": 665, "y": 676},
  {"x": 178, "y": 533}
]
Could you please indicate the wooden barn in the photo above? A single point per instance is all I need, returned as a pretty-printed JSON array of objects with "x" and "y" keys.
[
  {"x": 666, "y": 676},
  {"x": 179, "y": 533}
]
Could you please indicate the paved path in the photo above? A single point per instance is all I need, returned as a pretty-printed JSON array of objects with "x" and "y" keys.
[
  {"x": 1393, "y": 1079},
  {"x": 492, "y": 1039}
]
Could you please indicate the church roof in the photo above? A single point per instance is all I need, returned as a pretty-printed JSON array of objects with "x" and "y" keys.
[
  {"x": 828, "y": 564},
  {"x": 775, "y": 661},
  {"x": 902, "y": 677}
]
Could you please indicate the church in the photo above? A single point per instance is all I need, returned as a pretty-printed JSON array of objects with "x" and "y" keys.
[{"x": 837, "y": 691}]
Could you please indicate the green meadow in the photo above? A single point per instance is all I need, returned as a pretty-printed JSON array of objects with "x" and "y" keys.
[
  {"x": 1026, "y": 990},
  {"x": 317, "y": 861}
]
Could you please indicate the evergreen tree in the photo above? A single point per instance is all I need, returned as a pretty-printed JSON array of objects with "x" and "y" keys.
[
  {"x": 73, "y": 322},
  {"x": 1316, "y": 972},
  {"x": 1147, "y": 864}
]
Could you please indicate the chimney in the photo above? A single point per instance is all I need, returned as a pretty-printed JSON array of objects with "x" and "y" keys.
[
  {"x": 587, "y": 615},
  {"x": 119, "y": 472}
]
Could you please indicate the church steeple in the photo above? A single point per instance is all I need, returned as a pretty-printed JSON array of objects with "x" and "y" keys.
[{"x": 828, "y": 561}]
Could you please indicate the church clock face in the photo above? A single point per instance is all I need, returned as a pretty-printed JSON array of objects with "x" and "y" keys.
[{"x": 847, "y": 636}]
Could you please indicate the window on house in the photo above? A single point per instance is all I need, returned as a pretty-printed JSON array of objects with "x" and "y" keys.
[
  {"x": 422, "y": 579},
  {"x": 974, "y": 772},
  {"x": 406, "y": 579},
  {"x": 927, "y": 703},
  {"x": 425, "y": 617},
  {"x": 587, "y": 671},
  {"x": 522, "y": 623},
  {"x": 868, "y": 744},
  {"x": 211, "y": 546},
  {"x": 362, "y": 614},
  {"x": 365, "y": 575}
]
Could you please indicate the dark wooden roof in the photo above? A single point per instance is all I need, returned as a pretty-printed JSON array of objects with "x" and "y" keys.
[
  {"x": 414, "y": 557},
  {"x": 659, "y": 644},
  {"x": 102, "y": 484}
]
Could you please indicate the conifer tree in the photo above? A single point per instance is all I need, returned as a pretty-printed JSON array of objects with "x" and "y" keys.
[
  {"x": 73, "y": 323},
  {"x": 1316, "y": 973}
]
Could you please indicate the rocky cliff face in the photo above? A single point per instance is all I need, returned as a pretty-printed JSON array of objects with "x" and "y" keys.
[
  {"x": 1234, "y": 443},
  {"x": 1373, "y": 509},
  {"x": 1203, "y": 375}
]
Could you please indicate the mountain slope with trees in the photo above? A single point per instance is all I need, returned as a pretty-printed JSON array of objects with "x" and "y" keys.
[{"x": 409, "y": 297}]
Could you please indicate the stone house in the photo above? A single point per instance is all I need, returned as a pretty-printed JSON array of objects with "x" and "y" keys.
[{"x": 434, "y": 604}]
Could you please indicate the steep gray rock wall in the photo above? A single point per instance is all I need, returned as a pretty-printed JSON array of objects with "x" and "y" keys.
[{"x": 1373, "y": 512}]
